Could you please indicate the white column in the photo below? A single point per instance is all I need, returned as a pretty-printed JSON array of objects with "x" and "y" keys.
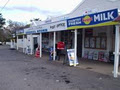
[
  {"x": 23, "y": 44},
  {"x": 14, "y": 43},
  {"x": 116, "y": 58},
  {"x": 17, "y": 42},
  {"x": 11, "y": 44},
  {"x": 54, "y": 45},
  {"x": 75, "y": 46},
  {"x": 40, "y": 44},
  {"x": 31, "y": 40},
  {"x": 83, "y": 41}
]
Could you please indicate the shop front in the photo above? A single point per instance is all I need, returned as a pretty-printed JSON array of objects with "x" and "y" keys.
[
  {"x": 98, "y": 36},
  {"x": 91, "y": 36},
  {"x": 99, "y": 42}
]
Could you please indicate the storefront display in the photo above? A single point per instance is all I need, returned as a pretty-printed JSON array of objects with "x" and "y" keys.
[
  {"x": 96, "y": 42},
  {"x": 87, "y": 42},
  {"x": 95, "y": 55},
  {"x": 106, "y": 57},
  {"x": 92, "y": 42},
  {"x": 103, "y": 43},
  {"x": 90, "y": 55},
  {"x": 101, "y": 56},
  {"x": 86, "y": 54}
]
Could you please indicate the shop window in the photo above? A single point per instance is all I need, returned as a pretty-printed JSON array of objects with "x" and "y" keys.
[
  {"x": 98, "y": 42},
  {"x": 87, "y": 42},
  {"x": 89, "y": 32},
  {"x": 94, "y": 42},
  {"x": 103, "y": 43},
  {"x": 67, "y": 37}
]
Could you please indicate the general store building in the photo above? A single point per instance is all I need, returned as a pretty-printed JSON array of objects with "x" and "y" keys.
[{"x": 92, "y": 29}]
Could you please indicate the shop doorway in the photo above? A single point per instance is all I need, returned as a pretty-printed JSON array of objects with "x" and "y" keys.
[
  {"x": 35, "y": 43},
  {"x": 79, "y": 43}
]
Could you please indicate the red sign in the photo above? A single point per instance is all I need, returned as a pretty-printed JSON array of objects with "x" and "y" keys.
[{"x": 60, "y": 45}]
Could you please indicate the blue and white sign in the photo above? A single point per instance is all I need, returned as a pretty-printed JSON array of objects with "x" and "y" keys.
[
  {"x": 93, "y": 19},
  {"x": 20, "y": 31},
  {"x": 42, "y": 31},
  {"x": 30, "y": 32},
  {"x": 71, "y": 57}
]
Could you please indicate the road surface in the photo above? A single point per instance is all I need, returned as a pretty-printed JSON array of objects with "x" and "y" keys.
[{"x": 23, "y": 72}]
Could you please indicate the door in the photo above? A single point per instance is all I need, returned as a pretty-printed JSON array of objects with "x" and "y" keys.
[{"x": 35, "y": 43}]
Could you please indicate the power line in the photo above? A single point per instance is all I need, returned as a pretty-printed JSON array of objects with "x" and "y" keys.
[{"x": 4, "y": 5}]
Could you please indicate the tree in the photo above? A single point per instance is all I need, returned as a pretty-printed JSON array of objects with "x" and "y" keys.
[
  {"x": 2, "y": 21},
  {"x": 13, "y": 26}
]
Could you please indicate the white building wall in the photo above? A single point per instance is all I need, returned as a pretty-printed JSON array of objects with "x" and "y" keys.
[
  {"x": 20, "y": 43},
  {"x": 91, "y": 6}
]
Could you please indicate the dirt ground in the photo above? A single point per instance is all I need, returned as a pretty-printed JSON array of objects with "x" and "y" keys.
[{"x": 24, "y": 72}]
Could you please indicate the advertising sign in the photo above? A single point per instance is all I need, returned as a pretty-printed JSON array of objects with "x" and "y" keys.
[
  {"x": 92, "y": 20},
  {"x": 71, "y": 57},
  {"x": 18, "y": 32},
  {"x": 30, "y": 32},
  {"x": 42, "y": 31}
]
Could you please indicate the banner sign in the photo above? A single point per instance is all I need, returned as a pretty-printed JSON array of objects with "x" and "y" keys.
[
  {"x": 30, "y": 32},
  {"x": 36, "y": 31},
  {"x": 71, "y": 57},
  {"x": 96, "y": 19},
  {"x": 42, "y": 30},
  {"x": 19, "y": 32}
]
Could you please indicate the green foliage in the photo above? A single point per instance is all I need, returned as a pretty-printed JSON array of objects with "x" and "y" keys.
[{"x": 2, "y": 21}]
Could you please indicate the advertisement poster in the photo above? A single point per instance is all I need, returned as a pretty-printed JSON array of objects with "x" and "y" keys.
[
  {"x": 87, "y": 42},
  {"x": 106, "y": 57},
  {"x": 103, "y": 43},
  {"x": 95, "y": 55},
  {"x": 101, "y": 56},
  {"x": 98, "y": 42},
  {"x": 71, "y": 57},
  {"x": 86, "y": 54},
  {"x": 92, "y": 42},
  {"x": 90, "y": 55}
]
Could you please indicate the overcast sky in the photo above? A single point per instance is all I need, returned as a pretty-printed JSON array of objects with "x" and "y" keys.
[{"x": 24, "y": 10}]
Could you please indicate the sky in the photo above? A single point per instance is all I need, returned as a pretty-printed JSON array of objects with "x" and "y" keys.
[{"x": 25, "y": 10}]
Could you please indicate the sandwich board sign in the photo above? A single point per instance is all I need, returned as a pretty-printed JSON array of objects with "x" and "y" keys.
[{"x": 71, "y": 57}]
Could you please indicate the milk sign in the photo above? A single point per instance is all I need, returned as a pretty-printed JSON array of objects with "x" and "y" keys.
[{"x": 95, "y": 19}]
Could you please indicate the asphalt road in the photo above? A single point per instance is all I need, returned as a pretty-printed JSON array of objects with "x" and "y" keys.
[{"x": 22, "y": 72}]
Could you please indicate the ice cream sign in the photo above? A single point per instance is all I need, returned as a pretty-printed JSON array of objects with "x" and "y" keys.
[{"x": 93, "y": 20}]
